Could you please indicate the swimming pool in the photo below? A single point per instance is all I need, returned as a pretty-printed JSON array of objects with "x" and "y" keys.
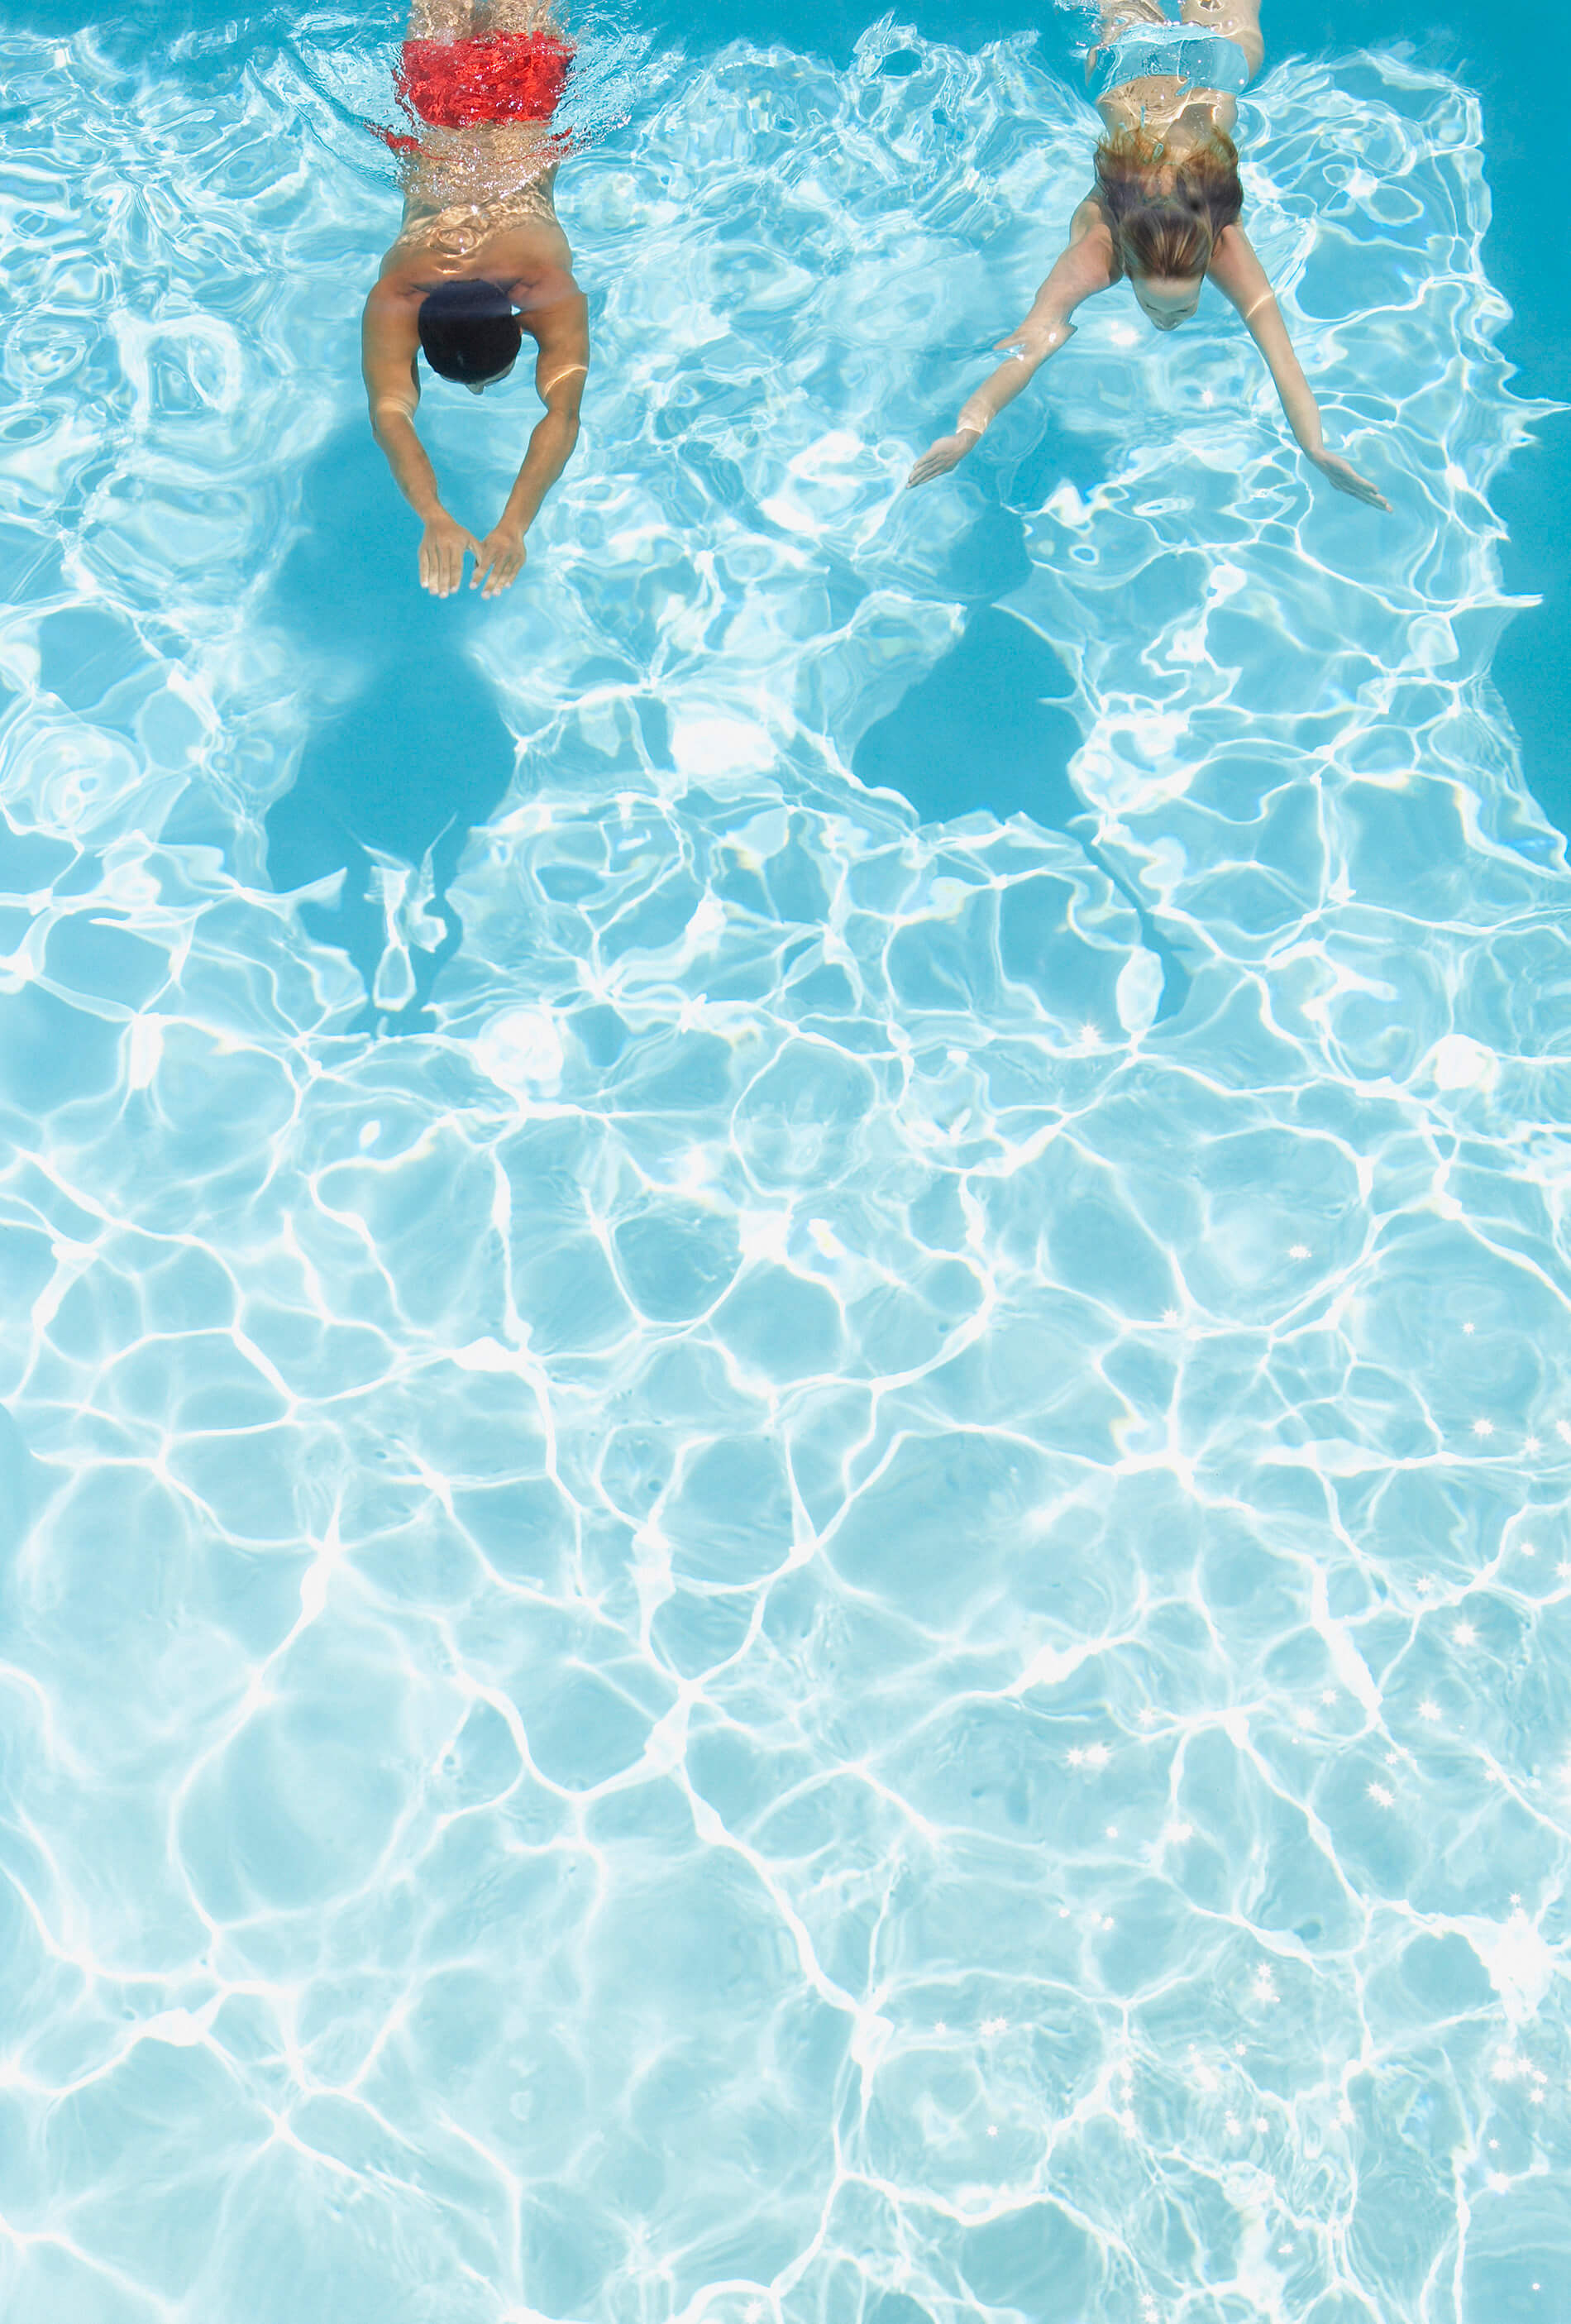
[{"x": 785, "y": 1411}]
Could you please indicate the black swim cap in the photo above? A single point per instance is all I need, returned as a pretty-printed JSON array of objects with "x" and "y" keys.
[{"x": 470, "y": 331}]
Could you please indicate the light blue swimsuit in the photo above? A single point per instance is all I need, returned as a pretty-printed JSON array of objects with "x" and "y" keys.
[{"x": 1202, "y": 59}]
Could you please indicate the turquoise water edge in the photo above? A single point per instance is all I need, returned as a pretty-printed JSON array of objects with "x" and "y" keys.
[{"x": 784, "y": 1351}]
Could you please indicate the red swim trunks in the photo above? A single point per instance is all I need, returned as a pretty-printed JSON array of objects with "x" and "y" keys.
[{"x": 502, "y": 77}]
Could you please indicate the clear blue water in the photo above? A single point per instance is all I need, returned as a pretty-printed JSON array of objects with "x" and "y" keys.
[{"x": 785, "y": 1332}]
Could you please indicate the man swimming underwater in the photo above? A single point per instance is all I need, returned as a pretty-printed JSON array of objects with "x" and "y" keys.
[{"x": 480, "y": 258}]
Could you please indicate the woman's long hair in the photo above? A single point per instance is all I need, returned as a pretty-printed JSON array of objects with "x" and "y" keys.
[{"x": 1167, "y": 216}]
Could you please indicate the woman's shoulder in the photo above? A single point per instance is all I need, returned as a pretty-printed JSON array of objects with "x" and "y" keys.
[
  {"x": 1091, "y": 217},
  {"x": 1091, "y": 232},
  {"x": 1235, "y": 268}
]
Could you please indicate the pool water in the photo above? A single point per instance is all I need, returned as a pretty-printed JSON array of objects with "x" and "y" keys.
[{"x": 783, "y": 1342}]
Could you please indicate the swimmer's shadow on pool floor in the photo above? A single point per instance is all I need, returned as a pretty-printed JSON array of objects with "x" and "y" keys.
[
  {"x": 985, "y": 730},
  {"x": 391, "y": 780},
  {"x": 406, "y": 751}
]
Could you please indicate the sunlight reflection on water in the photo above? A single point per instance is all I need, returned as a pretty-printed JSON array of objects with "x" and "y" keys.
[{"x": 794, "y": 1615}]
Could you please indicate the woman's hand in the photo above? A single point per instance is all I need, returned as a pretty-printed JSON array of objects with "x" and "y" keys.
[
  {"x": 499, "y": 559},
  {"x": 1346, "y": 479},
  {"x": 941, "y": 457},
  {"x": 444, "y": 545}
]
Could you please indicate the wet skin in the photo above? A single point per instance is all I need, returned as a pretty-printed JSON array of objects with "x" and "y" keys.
[
  {"x": 1182, "y": 118},
  {"x": 1166, "y": 301}
]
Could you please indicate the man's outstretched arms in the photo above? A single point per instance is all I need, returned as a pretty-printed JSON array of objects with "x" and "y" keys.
[
  {"x": 561, "y": 368},
  {"x": 388, "y": 336}
]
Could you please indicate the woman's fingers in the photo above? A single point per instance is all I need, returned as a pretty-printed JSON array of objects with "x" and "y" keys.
[
  {"x": 1360, "y": 488},
  {"x": 940, "y": 458},
  {"x": 1346, "y": 479}
]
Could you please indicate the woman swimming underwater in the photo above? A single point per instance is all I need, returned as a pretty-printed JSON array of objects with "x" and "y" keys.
[{"x": 1164, "y": 212}]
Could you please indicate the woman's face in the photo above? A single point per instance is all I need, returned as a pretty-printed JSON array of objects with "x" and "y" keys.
[{"x": 1166, "y": 300}]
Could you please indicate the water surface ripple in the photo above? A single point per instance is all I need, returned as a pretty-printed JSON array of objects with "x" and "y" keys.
[{"x": 802, "y": 1612}]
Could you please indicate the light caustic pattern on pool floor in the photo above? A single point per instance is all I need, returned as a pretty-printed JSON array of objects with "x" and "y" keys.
[{"x": 806, "y": 1616}]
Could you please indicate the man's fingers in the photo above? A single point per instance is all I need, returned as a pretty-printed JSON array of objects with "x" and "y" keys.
[
  {"x": 502, "y": 575},
  {"x": 498, "y": 562},
  {"x": 447, "y": 563},
  {"x": 489, "y": 561},
  {"x": 443, "y": 549},
  {"x": 456, "y": 551}
]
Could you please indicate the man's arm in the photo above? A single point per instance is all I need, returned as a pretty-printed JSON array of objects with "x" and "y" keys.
[
  {"x": 561, "y": 368},
  {"x": 1239, "y": 275},
  {"x": 388, "y": 336},
  {"x": 1086, "y": 267}
]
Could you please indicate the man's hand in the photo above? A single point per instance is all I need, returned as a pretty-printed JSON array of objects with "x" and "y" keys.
[
  {"x": 1346, "y": 479},
  {"x": 499, "y": 559},
  {"x": 941, "y": 457},
  {"x": 444, "y": 545}
]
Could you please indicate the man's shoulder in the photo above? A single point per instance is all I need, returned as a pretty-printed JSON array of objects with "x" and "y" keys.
[
  {"x": 394, "y": 287},
  {"x": 548, "y": 299}
]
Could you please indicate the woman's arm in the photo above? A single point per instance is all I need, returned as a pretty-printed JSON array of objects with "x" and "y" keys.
[
  {"x": 1084, "y": 268},
  {"x": 561, "y": 368},
  {"x": 1239, "y": 275},
  {"x": 388, "y": 336}
]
